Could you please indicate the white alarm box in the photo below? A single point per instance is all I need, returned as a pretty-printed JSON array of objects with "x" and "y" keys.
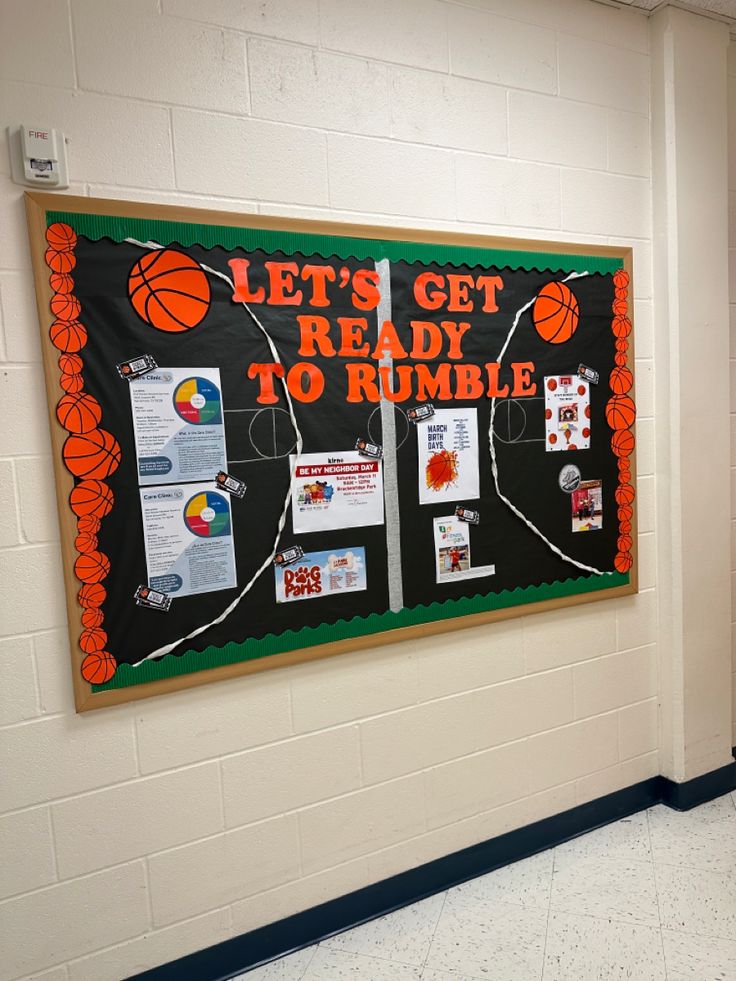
[{"x": 38, "y": 156}]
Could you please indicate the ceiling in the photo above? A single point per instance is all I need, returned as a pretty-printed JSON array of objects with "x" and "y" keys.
[{"x": 724, "y": 10}]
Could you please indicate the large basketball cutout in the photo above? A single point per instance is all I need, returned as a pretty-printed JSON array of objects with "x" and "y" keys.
[
  {"x": 98, "y": 668},
  {"x": 70, "y": 364},
  {"x": 92, "y": 639},
  {"x": 169, "y": 290},
  {"x": 91, "y": 497},
  {"x": 555, "y": 313},
  {"x": 91, "y": 567},
  {"x": 68, "y": 336},
  {"x": 65, "y": 306},
  {"x": 79, "y": 412},
  {"x": 620, "y": 412},
  {"x": 61, "y": 236},
  {"x": 622, "y": 442},
  {"x": 61, "y": 282},
  {"x": 621, "y": 380},
  {"x": 60, "y": 262},
  {"x": 623, "y": 561},
  {"x": 91, "y": 596},
  {"x": 93, "y": 454}
]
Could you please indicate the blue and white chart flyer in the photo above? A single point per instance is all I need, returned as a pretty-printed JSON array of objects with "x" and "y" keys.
[
  {"x": 178, "y": 424},
  {"x": 188, "y": 531}
]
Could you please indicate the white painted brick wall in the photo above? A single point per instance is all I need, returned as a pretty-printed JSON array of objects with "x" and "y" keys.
[{"x": 138, "y": 834}]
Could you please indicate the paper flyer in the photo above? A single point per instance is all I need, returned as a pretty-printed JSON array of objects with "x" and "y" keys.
[
  {"x": 448, "y": 456},
  {"x": 452, "y": 552},
  {"x": 336, "y": 490},
  {"x": 322, "y": 574},
  {"x": 188, "y": 534},
  {"x": 178, "y": 424},
  {"x": 566, "y": 413},
  {"x": 587, "y": 506}
]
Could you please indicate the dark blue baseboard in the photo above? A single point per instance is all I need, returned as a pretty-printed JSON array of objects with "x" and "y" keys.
[{"x": 232, "y": 957}]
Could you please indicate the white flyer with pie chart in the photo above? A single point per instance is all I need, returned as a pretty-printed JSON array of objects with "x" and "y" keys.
[{"x": 178, "y": 424}]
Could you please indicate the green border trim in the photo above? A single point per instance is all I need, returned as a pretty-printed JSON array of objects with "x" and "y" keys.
[
  {"x": 252, "y": 649},
  {"x": 227, "y": 237}
]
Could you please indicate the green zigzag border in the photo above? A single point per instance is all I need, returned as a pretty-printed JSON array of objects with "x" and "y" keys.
[
  {"x": 251, "y": 239},
  {"x": 252, "y": 649}
]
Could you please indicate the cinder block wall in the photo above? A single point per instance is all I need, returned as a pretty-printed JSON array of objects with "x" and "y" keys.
[{"x": 137, "y": 834}]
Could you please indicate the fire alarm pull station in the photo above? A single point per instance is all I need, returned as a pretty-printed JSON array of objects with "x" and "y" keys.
[{"x": 38, "y": 156}]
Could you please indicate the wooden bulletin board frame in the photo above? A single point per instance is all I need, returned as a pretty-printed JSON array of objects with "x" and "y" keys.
[{"x": 38, "y": 205}]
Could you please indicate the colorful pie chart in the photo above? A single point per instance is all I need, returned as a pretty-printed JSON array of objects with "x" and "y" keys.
[
  {"x": 197, "y": 401},
  {"x": 207, "y": 515}
]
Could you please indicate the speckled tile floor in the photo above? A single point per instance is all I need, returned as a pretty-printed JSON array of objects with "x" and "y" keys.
[{"x": 649, "y": 898}]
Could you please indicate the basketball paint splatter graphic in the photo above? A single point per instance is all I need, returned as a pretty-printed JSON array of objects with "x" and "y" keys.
[{"x": 441, "y": 470}]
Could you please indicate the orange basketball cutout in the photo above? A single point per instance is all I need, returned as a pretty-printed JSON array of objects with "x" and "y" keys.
[
  {"x": 624, "y": 543},
  {"x": 60, "y": 262},
  {"x": 61, "y": 282},
  {"x": 71, "y": 384},
  {"x": 621, "y": 279},
  {"x": 441, "y": 470},
  {"x": 92, "y": 639},
  {"x": 92, "y": 617},
  {"x": 625, "y": 512},
  {"x": 69, "y": 337},
  {"x": 61, "y": 236},
  {"x": 169, "y": 290},
  {"x": 91, "y": 596},
  {"x": 95, "y": 454},
  {"x": 621, "y": 326},
  {"x": 622, "y": 442},
  {"x": 91, "y": 567},
  {"x": 70, "y": 364},
  {"x": 620, "y": 412},
  {"x": 65, "y": 306},
  {"x": 78, "y": 412},
  {"x": 620, "y": 307},
  {"x": 620, "y": 358},
  {"x": 623, "y": 561},
  {"x": 86, "y": 541},
  {"x": 99, "y": 668},
  {"x": 91, "y": 498},
  {"x": 624, "y": 494},
  {"x": 620, "y": 380},
  {"x": 88, "y": 525},
  {"x": 555, "y": 313}
]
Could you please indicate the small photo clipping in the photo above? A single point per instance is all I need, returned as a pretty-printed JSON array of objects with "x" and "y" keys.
[
  {"x": 452, "y": 548},
  {"x": 587, "y": 506}
]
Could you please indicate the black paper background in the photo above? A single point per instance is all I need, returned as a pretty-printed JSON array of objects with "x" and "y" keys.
[{"x": 228, "y": 339}]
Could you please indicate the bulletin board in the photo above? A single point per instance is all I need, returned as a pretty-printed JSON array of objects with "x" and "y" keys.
[{"x": 277, "y": 440}]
